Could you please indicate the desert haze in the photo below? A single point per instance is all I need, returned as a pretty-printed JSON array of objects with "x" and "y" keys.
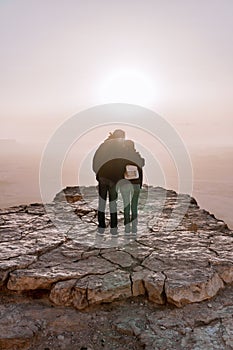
[{"x": 212, "y": 187}]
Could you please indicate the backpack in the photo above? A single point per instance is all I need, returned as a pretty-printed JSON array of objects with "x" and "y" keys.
[{"x": 131, "y": 172}]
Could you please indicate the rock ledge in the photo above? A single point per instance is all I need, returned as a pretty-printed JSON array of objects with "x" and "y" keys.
[{"x": 58, "y": 250}]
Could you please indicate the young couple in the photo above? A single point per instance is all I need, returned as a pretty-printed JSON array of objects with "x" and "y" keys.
[{"x": 118, "y": 167}]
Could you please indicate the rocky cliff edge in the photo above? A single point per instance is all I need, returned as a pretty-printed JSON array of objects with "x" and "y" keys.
[{"x": 54, "y": 252}]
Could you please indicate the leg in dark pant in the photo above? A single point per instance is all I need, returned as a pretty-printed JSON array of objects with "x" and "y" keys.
[
  {"x": 134, "y": 207},
  {"x": 125, "y": 193},
  {"x": 113, "y": 205},
  {"x": 107, "y": 187},
  {"x": 103, "y": 190},
  {"x": 134, "y": 202}
]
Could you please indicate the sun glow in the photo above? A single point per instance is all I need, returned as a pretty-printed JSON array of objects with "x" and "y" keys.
[{"x": 127, "y": 86}]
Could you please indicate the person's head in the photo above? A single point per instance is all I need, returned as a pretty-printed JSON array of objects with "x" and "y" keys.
[
  {"x": 118, "y": 134},
  {"x": 129, "y": 144}
]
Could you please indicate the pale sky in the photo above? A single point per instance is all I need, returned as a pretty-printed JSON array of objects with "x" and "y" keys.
[{"x": 59, "y": 57}]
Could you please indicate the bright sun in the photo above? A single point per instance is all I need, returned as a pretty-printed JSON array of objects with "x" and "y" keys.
[{"x": 127, "y": 86}]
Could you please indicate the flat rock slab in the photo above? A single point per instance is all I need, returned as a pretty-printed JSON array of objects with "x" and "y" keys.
[
  {"x": 92, "y": 290},
  {"x": 42, "y": 275},
  {"x": 56, "y": 248}
]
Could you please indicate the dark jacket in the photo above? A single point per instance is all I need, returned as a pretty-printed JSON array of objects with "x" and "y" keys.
[
  {"x": 106, "y": 160},
  {"x": 111, "y": 158}
]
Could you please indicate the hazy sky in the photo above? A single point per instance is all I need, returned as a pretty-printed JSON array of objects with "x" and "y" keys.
[{"x": 61, "y": 56}]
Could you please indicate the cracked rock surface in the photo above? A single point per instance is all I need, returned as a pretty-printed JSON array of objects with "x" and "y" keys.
[{"x": 51, "y": 257}]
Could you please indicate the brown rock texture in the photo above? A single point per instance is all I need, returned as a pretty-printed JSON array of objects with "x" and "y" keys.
[{"x": 52, "y": 256}]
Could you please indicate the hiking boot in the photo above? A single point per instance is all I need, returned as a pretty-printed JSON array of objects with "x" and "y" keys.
[
  {"x": 127, "y": 228},
  {"x": 100, "y": 230},
  {"x": 113, "y": 231}
]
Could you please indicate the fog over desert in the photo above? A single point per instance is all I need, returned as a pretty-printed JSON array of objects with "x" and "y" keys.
[
  {"x": 212, "y": 176},
  {"x": 174, "y": 58}
]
